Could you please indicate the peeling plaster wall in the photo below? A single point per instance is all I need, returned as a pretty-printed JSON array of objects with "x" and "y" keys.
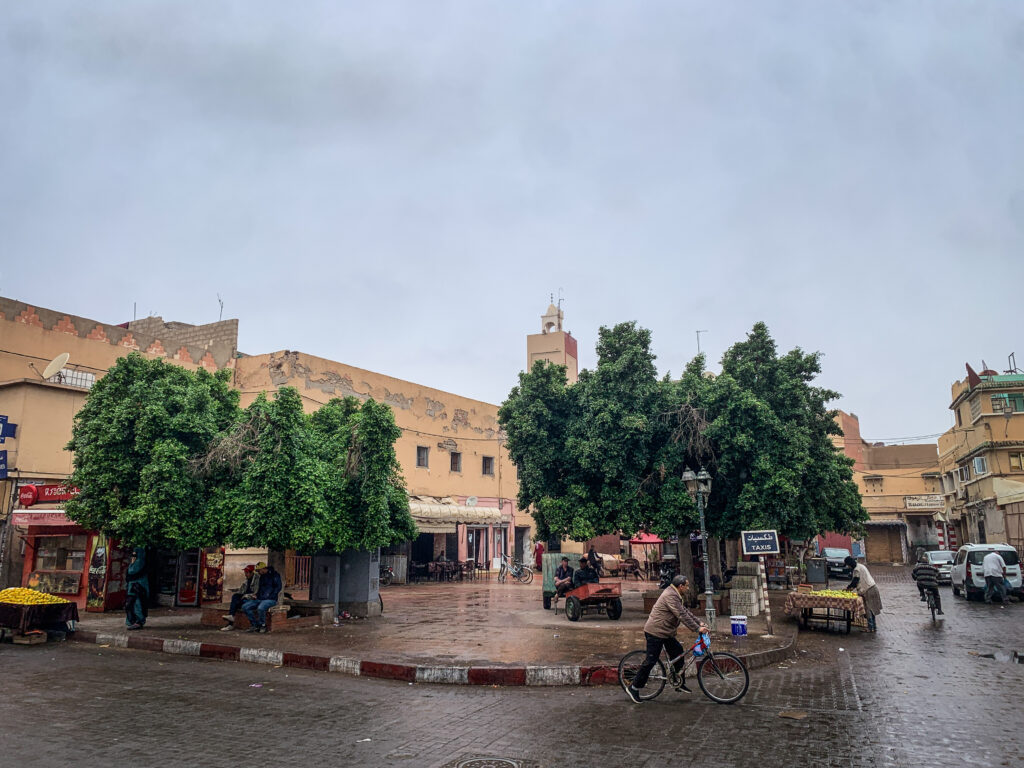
[{"x": 440, "y": 421}]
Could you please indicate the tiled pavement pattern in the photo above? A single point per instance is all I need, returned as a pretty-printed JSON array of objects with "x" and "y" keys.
[{"x": 912, "y": 695}]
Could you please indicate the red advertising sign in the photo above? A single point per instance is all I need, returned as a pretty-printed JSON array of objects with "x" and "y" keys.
[
  {"x": 39, "y": 518},
  {"x": 44, "y": 494}
]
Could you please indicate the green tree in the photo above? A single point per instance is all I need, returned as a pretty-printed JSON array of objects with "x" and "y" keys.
[
  {"x": 607, "y": 454},
  {"x": 134, "y": 440}
]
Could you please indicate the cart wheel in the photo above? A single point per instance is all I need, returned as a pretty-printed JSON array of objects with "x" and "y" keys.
[
  {"x": 614, "y": 609},
  {"x": 547, "y": 602},
  {"x": 573, "y": 608}
]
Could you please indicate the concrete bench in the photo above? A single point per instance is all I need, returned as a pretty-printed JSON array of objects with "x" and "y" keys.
[{"x": 287, "y": 617}]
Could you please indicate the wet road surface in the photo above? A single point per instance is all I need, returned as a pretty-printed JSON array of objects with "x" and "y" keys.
[{"x": 911, "y": 695}]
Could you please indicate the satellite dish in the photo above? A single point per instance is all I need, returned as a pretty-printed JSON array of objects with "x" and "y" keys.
[
  {"x": 471, "y": 501},
  {"x": 56, "y": 365}
]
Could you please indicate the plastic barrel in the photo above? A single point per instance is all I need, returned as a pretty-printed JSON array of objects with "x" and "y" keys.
[{"x": 739, "y": 625}]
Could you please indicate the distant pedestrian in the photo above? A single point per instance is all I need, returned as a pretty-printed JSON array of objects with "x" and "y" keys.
[
  {"x": 994, "y": 569},
  {"x": 136, "y": 604},
  {"x": 864, "y": 584},
  {"x": 595, "y": 559},
  {"x": 538, "y": 552}
]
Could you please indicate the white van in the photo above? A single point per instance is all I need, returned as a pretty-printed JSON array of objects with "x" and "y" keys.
[{"x": 967, "y": 574}]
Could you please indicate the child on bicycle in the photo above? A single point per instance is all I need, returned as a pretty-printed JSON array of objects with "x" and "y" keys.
[
  {"x": 660, "y": 632},
  {"x": 927, "y": 577}
]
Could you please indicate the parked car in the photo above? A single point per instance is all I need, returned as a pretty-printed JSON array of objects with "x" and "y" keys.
[
  {"x": 835, "y": 557},
  {"x": 966, "y": 574},
  {"x": 942, "y": 559}
]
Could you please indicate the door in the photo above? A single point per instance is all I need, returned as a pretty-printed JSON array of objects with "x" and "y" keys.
[{"x": 878, "y": 543}]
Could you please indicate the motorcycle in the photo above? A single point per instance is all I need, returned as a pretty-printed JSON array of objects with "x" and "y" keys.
[
  {"x": 387, "y": 575},
  {"x": 666, "y": 574}
]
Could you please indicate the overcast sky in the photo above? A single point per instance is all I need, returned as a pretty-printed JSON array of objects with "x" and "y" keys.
[{"x": 401, "y": 186}]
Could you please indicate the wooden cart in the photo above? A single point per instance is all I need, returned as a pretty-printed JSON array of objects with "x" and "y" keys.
[{"x": 594, "y": 598}]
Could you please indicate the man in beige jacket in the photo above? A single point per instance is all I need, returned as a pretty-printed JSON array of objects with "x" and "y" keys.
[{"x": 660, "y": 632}]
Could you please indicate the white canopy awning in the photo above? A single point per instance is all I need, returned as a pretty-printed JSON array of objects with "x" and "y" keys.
[{"x": 442, "y": 518}]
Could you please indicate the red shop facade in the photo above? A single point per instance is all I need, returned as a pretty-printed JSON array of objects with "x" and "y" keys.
[{"x": 88, "y": 568}]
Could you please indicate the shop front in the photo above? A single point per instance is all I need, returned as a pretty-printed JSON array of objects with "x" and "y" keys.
[
  {"x": 64, "y": 559},
  {"x": 190, "y": 578}
]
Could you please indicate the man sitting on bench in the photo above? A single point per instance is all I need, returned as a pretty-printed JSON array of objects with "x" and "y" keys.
[
  {"x": 563, "y": 577},
  {"x": 585, "y": 574}
]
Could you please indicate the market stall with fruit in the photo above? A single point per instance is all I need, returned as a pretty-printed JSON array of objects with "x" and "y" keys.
[
  {"x": 826, "y": 607},
  {"x": 23, "y": 611}
]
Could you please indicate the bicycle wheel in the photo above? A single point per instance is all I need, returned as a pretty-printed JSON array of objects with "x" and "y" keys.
[
  {"x": 628, "y": 668},
  {"x": 525, "y": 575},
  {"x": 931, "y": 605},
  {"x": 723, "y": 678}
]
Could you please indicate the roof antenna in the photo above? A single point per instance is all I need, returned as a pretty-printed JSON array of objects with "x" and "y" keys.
[
  {"x": 559, "y": 298},
  {"x": 698, "y": 340},
  {"x": 1011, "y": 361},
  {"x": 221, "y": 302}
]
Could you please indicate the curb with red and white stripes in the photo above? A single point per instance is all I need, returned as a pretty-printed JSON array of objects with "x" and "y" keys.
[{"x": 445, "y": 675}]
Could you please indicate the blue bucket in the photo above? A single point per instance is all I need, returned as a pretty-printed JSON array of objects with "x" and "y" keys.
[{"x": 739, "y": 625}]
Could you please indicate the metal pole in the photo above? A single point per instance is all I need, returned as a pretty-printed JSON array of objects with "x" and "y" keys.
[{"x": 709, "y": 604}]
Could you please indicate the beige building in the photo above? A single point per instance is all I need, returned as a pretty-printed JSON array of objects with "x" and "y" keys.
[
  {"x": 982, "y": 458},
  {"x": 38, "y": 542},
  {"x": 901, "y": 490},
  {"x": 461, "y": 482}
]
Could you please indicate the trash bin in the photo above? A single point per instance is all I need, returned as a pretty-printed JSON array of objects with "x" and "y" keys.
[
  {"x": 817, "y": 570},
  {"x": 739, "y": 625}
]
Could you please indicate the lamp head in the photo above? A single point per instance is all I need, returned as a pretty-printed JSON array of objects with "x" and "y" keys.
[{"x": 690, "y": 479}]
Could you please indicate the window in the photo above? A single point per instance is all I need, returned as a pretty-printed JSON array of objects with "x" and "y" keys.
[
  {"x": 980, "y": 466},
  {"x": 422, "y": 456},
  {"x": 61, "y": 553},
  {"x": 975, "y": 404},
  {"x": 1017, "y": 461},
  {"x": 959, "y": 421},
  {"x": 1009, "y": 403},
  {"x": 488, "y": 465},
  {"x": 456, "y": 461},
  {"x": 964, "y": 473}
]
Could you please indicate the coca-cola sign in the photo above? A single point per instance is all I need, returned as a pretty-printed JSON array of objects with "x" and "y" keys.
[{"x": 45, "y": 494}]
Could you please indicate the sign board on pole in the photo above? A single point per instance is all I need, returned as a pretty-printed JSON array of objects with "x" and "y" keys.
[{"x": 760, "y": 542}]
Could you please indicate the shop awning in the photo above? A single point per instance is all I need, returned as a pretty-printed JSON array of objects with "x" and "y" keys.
[
  {"x": 1007, "y": 491},
  {"x": 646, "y": 538},
  {"x": 442, "y": 518}
]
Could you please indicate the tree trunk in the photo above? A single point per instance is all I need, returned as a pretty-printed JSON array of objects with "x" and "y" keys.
[
  {"x": 732, "y": 551},
  {"x": 685, "y": 554},
  {"x": 715, "y": 557}
]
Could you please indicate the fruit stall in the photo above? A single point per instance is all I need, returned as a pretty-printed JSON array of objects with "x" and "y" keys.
[
  {"x": 28, "y": 612},
  {"x": 825, "y": 607}
]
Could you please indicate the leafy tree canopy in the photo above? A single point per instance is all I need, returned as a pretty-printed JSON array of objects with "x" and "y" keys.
[
  {"x": 607, "y": 453},
  {"x": 164, "y": 457},
  {"x": 133, "y": 441}
]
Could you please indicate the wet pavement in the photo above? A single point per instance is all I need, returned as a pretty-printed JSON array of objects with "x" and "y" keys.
[
  {"x": 912, "y": 695},
  {"x": 470, "y": 623}
]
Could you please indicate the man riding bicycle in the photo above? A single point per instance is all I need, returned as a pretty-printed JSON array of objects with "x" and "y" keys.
[
  {"x": 927, "y": 577},
  {"x": 660, "y": 632}
]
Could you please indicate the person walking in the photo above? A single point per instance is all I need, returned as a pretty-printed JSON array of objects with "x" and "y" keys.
[
  {"x": 136, "y": 604},
  {"x": 660, "y": 632},
  {"x": 993, "y": 567},
  {"x": 864, "y": 584},
  {"x": 538, "y": 553},
  {"x": 266, "y": 598}
]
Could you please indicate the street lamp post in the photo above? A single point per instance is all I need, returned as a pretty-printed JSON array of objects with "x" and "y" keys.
[{"x": 699, "y": 487}]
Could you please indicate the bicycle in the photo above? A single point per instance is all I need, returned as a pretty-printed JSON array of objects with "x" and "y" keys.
[
  {"x": 520, "y": 572},
  {"x": 930, "y": 599},
  {"x": 722, "y": 677}
]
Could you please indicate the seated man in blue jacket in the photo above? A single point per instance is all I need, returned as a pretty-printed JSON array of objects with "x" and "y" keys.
[{"x": 266, "y": 598}]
